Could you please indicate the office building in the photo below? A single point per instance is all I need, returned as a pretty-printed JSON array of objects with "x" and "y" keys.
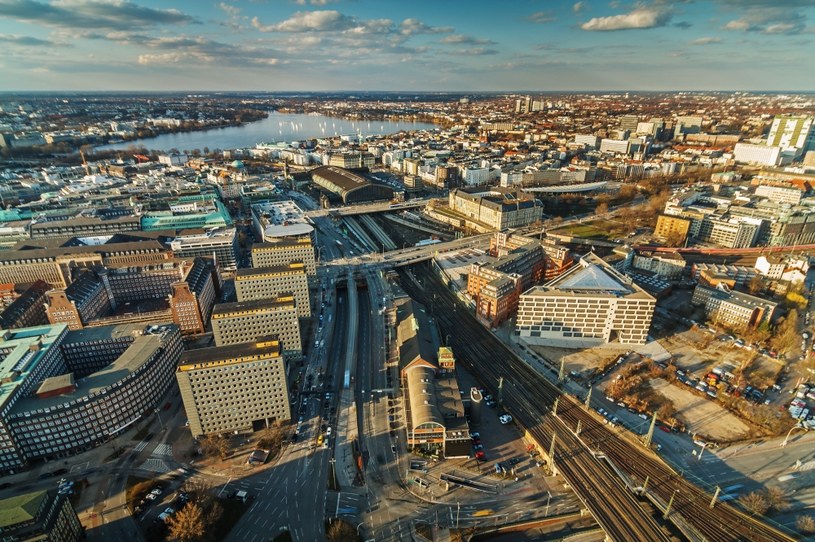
[
  {"x": 222, "y": 243},
  {"x": 239, "y": 387},
  {"x": 780, "y": 194},
  {"x": 793, "y": 133},
  {"x": 757, "y": 154},
  {"x": 737, "y": 232},
  {"x": 615, "y": 146},
  {"x": 82, "y": 226},
  {"x": 284, "y": 251},
  {"x": 270, "y": 282},
  {"x": 275, "y": 220},
  {"x": 730, "y": 308},
  {"x": 672, "y": 228},
  {"x": 28, "y": 309},
  {"x": 494, "y": 209},
  {"x": 433, "y": 408},
  {"x": 351, "y": 160},
  {"x": 245, "y": 321},
  {"x": 64, "y": 391},
  {"x": 39, "y": 516},
  {"x": 179, "y": 291},
  {"x": 205, "y": 212},
  {"x": 590, "y": 304}
]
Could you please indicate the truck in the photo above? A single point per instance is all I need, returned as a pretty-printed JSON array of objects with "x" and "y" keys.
[{"x": 242, "y": 496}]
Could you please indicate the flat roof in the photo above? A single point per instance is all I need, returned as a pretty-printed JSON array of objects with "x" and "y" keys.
[
  {"x": 280, "y": 300},
  {"x": 20, "y": 352},
  {"x": 264, "y": 347},
  {"x": 247, "y": 272},
  {"x": 282, "y": 218}
]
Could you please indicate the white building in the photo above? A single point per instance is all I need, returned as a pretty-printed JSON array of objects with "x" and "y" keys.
[
  {"x": 797, "y": 133},
  {"x": 619, "y": 146},
  {"x": 590, "y": 304},
  {"x": 757, "y": 154},
  {"x": 781, "y": 194}
]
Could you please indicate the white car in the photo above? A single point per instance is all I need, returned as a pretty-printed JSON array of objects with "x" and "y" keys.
[{"x": 505, "y": 418}]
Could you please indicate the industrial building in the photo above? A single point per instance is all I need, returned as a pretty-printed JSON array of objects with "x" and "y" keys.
[
  {"x": 270, "y": 282},
  {"x": 352, "y": 188},
  {"x": 434, "y": 410},
  {"x": 67, "y": 391},
  {"x": 239, "y": 387},
  {"x": 590, "y": 304},
  {"x": 245, "y": 321}
]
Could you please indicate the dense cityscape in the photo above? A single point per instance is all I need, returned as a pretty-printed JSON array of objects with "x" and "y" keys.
[{"x": 404, "y": 314}]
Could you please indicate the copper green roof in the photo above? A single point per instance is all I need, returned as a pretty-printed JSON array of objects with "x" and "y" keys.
[{"x": 20, "y": 509}]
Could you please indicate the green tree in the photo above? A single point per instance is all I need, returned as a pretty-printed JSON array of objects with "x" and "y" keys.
[{"x": 187, "y": 525}]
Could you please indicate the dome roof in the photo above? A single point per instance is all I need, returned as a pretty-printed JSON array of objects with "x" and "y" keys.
[{"x": 237, "y": 164}]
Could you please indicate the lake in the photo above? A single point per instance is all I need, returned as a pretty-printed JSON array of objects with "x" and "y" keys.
[{"x": 276, "y": 128}]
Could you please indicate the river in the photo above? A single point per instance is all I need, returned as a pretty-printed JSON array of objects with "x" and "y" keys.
[{"x": 276, "y": 128}]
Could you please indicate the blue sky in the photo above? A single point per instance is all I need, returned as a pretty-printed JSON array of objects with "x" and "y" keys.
[{"x": 474, "y": 45}]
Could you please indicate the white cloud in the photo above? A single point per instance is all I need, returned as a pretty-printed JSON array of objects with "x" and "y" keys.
[
  {"x": 705, "y": 41},
  {"x": 541, "y": 17},
  {"x": 639, "y": 19},
  {"x": 768, "y": 17},
  {"x": 578, "y": 7},
  {"x": 460, "y": 39},
  {"x": 82, "y": 14},
  {"x": 305, "y": 21},
  {"x": 229, "y": 9}
]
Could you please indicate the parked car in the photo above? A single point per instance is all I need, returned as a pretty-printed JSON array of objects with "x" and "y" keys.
[{"x": 505, "y": 418}]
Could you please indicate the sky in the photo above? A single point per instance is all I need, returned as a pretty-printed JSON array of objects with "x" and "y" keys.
[{"x": 438, "y": 45}]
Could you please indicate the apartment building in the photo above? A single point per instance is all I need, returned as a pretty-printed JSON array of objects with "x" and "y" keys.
[
  {"x": 68, "y": 391},
  {"x": 238, "y": 387},
  {"x": 590, "y": 304},
  {"x": 244, "y": 321},
  {"x": 733, "y": 309},
  {"x": 269, "y": 282},
  {"x": 284, "y": 251},
  {"x": 42, "y": 515},
  {"x": 672, "y": 228},
  {"x": 780, "y": 194}
]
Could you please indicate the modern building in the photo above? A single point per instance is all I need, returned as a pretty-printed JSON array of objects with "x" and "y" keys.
[
  {"x": 351, "y": 160},
  {"x": 434, "y": 411},
  {"x": 222, "y": 243},
  {"x": 733, "y": 309},
  {"x": 780, "y": 194},
  {"x": 280, "y": 219},
  {"x": 184, "y": 215},
  {"x": 239, "y": 387},
  {"x": 179, "y": 291},
  {"x": 39, "y": 516},
  {"x": 56, "y": 265},
  {"x": 495, "y": 209},
  {"x": 283, "y": 252},
  {"x": 590, "y": 304},
  {"x": 757, "y": 154},
  {"x": 28, "y": 309},
  {"x": 270, "y": 282},
  {"x": 736, "y": 232},
  {"x": 349, "y": 186},
  {"x": 65, "y": 391},
  {"x": 796, "y": 133},
  {"x": 84, "y": 226},
  {"x": 245, "y": 321}
]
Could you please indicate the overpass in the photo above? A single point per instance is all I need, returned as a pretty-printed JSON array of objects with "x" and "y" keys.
[{"x": 367, "y": 208}]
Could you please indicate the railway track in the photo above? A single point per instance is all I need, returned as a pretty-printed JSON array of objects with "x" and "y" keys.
[{"x": 529, "y": 398}]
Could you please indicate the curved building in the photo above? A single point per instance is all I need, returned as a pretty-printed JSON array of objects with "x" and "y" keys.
[
  {"x": 67, "y": 391},
  {"x": 352, "y": 188}
]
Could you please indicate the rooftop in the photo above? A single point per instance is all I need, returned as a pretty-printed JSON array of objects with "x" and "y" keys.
[
  {"x": 247, "y": 273},
  {"x": 263, "y": 347},
  {"x": 20, "y": 352},
  {"x": 280, "y": 301},
  {"x": 20, "y": 509},
  {"x": 282, "y": 219}
]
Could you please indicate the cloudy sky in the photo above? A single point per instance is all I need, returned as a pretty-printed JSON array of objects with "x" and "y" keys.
[{"x": 406, "y": 45}]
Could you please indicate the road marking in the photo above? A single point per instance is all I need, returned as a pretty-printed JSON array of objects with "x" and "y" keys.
[{"x": 140, "y": 446}]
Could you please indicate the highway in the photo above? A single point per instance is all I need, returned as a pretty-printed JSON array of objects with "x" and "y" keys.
[{"x": 529, "y": 398}]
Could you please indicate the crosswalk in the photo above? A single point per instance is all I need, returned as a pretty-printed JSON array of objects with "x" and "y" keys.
[
  {"x": 140, "y": 446},
  {"x": 163, "y": 450},
  {"x": 156, "y": 462}
]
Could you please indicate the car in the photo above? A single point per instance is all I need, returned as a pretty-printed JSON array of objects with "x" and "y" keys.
[
  {"x": 393, "y": 448},
  {"x": 601, "y": 411},
  {"x": 478, "y": 446},
  {"x": 151, "y": 497},
  {"x": 505, "y": 418},
  {"x": 475, "y": 435},
  {"x": 476, "y": 441},
  {"x": 664, "y": 428},
  {"x": 328, "y": 432},
  {"x": 480, "y": 455},
  {"x": 156, "y": 491}
]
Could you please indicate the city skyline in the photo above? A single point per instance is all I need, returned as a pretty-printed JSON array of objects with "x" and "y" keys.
[{"x": 324, "y": 45}]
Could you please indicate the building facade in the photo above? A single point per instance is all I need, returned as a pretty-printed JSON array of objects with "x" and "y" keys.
[
  {"x": 28, "y": 309},
  {"x": 238, "y": 387},
  {"x": 270, "y": 282},
  {"x": 284, "y": 251},
  {"x": 44, "y": 516},
  {"x": 235, "y": 323},
  {"x": 590, "y": 304},
  {"x": 733, "y": 309},
  {"x": 496, "y": 210},
  {"x": 222, "y": 243}
]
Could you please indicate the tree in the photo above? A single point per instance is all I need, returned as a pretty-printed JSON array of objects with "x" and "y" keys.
[
  {"x": 272, "y": 438},
  {"x": 786, "y": 333},
  {"x": 805, "y": 524},
  {"x": 215, "y": 445},
  {"x": 756, "y": 285},
  {"x": 341, "y": 531},
  {"x": 778, "y": 499},
  {"x": 187, "y": 525},
  {"x": 674, "y": 239},
  {"x": 756, "y": 502},
  {"x": 601, "y": 209}
]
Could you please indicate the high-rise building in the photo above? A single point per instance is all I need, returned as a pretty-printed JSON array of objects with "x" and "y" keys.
[
  {"x": 284, "y": 251},
  {"x": 269, "y": 282},
  {"x": 245, "y": 321},
  {"x": 790, "y": 132},
  {"x": 220, "y": 242},
  {"x": 590, "y": 304},
  {"x": 238, "y": 387}
]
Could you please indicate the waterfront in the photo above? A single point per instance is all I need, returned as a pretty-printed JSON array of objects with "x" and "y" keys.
[{"x": 275, "y": 128}]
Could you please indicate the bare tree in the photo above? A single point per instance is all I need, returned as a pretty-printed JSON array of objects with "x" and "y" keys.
[
  {"x": 805, "y": 524},
  {"x": 187, "y": 525},
  {"x": 778, "y": 499},
  {"x": 601, "y": 209},
  {"x": 341, "y": 531},
  {"x": 215, "y": 445},
  {"x": 756, "y": 502},
  {"x": 272, "y": 438},
  {"x": 756, "y": 285},
  {"x": 786, "y": 333}
]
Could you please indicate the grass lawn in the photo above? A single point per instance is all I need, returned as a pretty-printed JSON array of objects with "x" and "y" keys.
[{"x": 597, "y": 229}]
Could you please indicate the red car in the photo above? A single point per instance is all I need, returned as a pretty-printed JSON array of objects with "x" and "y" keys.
[
  {"x": 480, "y": 455},
  {"x": 664, "y": 428}
]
